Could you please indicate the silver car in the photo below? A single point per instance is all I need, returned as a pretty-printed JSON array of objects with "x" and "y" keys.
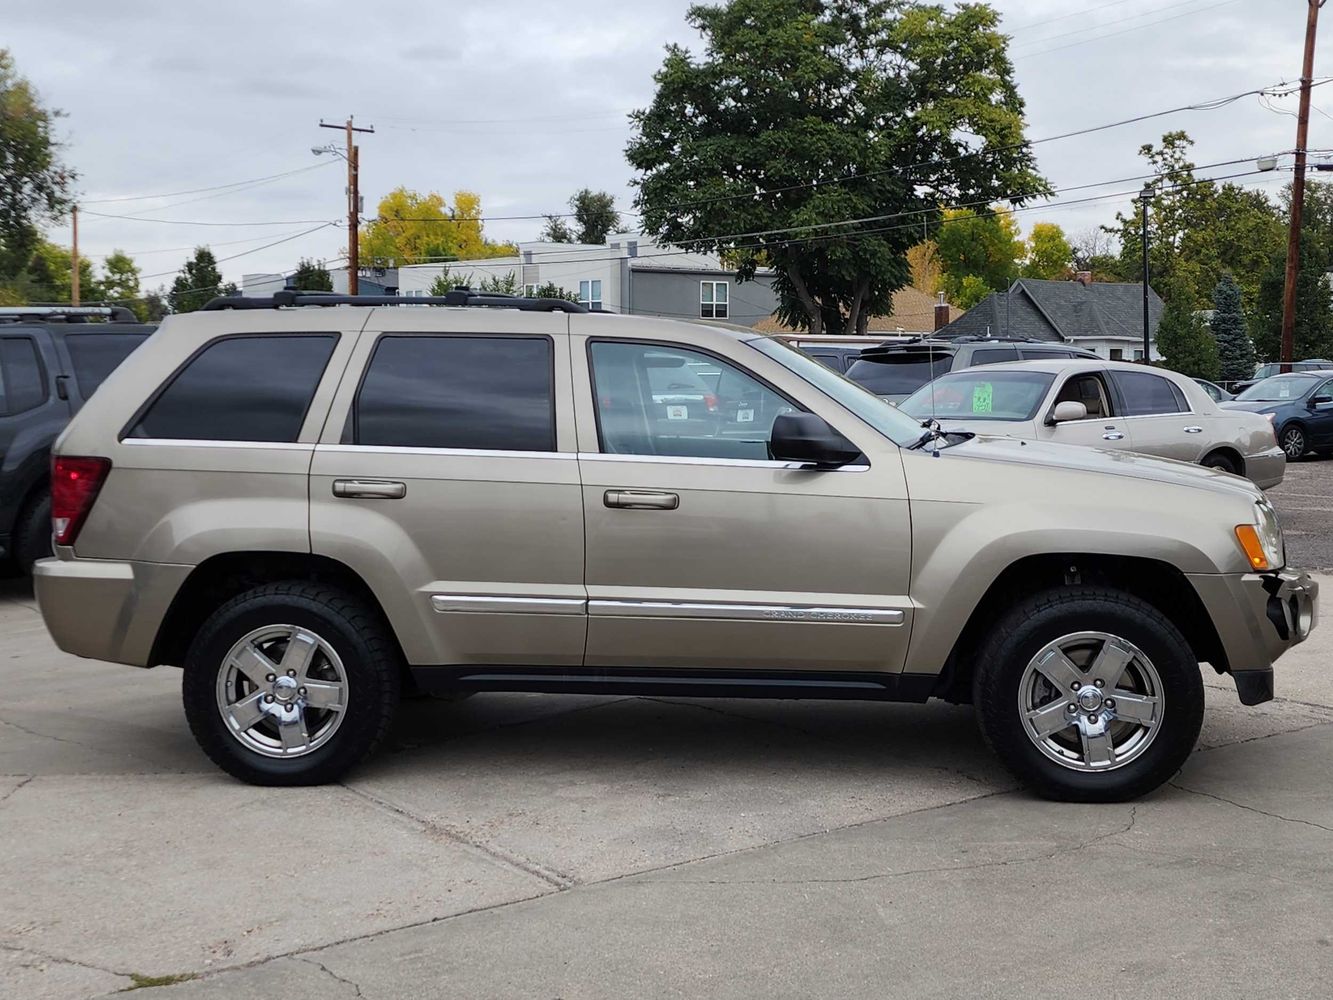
[{"x": 1104, "y": 404}]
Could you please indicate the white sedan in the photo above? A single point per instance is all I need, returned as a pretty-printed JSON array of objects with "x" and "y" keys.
[{"x": 1103, "y": 404}]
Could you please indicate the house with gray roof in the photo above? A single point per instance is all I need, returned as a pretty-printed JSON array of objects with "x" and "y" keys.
[{"x": 1105, "y": 317}]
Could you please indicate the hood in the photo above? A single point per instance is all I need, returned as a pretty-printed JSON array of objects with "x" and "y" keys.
[
  {"x": 1255, "y": 405},
  {"x": 1041, "y": 454}
]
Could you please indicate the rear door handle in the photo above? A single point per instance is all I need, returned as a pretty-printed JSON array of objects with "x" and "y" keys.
[
  {"x": 369, "y": 489},
  {"x": 1113, "y": 436},
  {"x": 641, "y": 500},
  {"x": 1193, "y": 430}
]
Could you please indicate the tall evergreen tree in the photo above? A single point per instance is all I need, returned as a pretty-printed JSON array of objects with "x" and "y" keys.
[
  {"x": 1235, "y": 351},
  {"x": 1183, "y": 339},
  {"x": 198, "y": 282},
  {"x": 311, "y": 277}
]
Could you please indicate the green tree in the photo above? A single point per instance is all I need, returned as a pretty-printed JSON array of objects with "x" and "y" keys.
[
  {"x": 799, "y": 113},
  {"x": 1048, "y": 253},
  {"x": 595, "y": 212},
  {"x": 550, "y": 290},
  {"x": 494, "y": 284},
  {"x": 120, "y": 278},
  {"x": 1235, "y": 352},
  {"x": 445, "y": 283},
  {"x": 198, "y": 282},
  {"x": 1183, "y": 338},
  {"x": 557, "y": 230},
  {"x": 1313, "y": 333},
  {"x": 154, "y": 307},
  {"x": 47, "y": 276},
  {"x": 311, "y": 277},
  {"x": 34, "y": 184},
  {"x": 978, "y": 253}
]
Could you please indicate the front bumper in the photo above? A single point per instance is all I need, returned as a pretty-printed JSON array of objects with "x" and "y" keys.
[
  {"x": 1258, "y": 617},
  {"x": 1267, "y": 468},
  {"x": 106, "y": 610}
]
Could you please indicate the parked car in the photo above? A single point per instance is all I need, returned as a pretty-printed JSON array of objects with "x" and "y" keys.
[
  {"x": 312, "y": 502},
  {"x": 1299, "y": 406},
  {"x": 52, "y": 358},
  {"x": 1275, "y": 368},
  {"x": 895, "y": 371},
  {"x": 1113, "y": 405},
  {"x": 1215, "y": 392},
  {"x": 836, "y": 352}
]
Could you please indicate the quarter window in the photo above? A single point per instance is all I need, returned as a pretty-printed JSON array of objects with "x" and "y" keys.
[
  {"x": 487, "y": 393},
  {"x": 96, "y": 355},
  {"x": 241, "y": 389},
  {"x": 656, "y": 400},
  {"x": 590, "y": 293},
  {"x": 994, "y": 356},
  {"x": 714, "y": 299},
  {"x": 22, "y": 384},
  {"x": 1146, "y": 394}
]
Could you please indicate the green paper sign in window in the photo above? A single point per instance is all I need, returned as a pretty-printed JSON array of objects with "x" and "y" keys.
[{"x": 983, "y": 397}]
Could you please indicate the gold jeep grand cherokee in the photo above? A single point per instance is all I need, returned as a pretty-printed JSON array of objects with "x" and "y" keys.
[{"x": 313, "y": 504}]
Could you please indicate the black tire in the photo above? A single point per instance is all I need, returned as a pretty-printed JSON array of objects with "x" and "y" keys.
[
  {"x": 1219, "y": 460},
  {"x": 32, "y": 533},
  {"x": 1293, "y": 441},
  {"x": 1023, "y": 631},
  {"x": 358, "y": 636}
]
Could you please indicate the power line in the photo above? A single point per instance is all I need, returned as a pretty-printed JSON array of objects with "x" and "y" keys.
[
  {"x": 1106, "y": 24},
  {"x": 1125, "y": 31},
  {"x": 177, "y": 194},
  {"x": 244, "y": 253},
  {"x": 1080, "y": 12},
  {"x": 183, "y": 222}
]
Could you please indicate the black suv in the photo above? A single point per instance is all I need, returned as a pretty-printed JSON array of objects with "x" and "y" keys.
[
  {"x": 52, "y": 358},
  {"x": 895, "y": 371}
]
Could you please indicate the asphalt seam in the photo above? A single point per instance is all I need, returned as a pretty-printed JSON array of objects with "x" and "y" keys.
[
  {"x": 26, "y": 781},
  {"x": 1253, "y": 809},
  {"x": 320, "y": 965},
  {"x": 1266, "y": 736},
  {"x": 47, "y": 956}
]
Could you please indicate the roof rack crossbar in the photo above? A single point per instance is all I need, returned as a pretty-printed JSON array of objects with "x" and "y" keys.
[
  {"x": 458, "y": 297},
  {"x": 113, "y": 314}
]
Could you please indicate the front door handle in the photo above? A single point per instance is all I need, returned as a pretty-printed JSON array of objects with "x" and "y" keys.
[
  {"x": 1193, "y": 430},
  {"x": 1113, "y": 436},
  {"x": 641, "y": 500},
  {"x": 369, "y": 489}
]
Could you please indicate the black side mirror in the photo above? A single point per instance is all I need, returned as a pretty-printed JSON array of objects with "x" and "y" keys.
[
  {"x": 1318, "y": 401},
  {"x": 807, "y": 438}
]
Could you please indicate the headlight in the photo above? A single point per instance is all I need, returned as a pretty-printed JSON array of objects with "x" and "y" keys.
[{"x": 1262, "y": 541}]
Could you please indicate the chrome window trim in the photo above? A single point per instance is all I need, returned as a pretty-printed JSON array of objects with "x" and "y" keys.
[
  {"x": 209, "y": 443},
  {"x": 806, "y": 613},
  {"x": 729, "y": 463},
  {"x": 359, "y": 449},
  {"x": 477, "y": 604}
]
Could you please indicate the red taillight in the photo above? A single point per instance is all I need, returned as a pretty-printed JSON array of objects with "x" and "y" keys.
[
  {"x": 75, "y": 483},
  {"x": 710, "y": 401}
]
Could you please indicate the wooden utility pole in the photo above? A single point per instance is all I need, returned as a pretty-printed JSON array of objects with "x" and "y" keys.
[
  {"x": 1298, "y": 190},
  {"x": 353, "y": 157},
  {"x": 74, "y": 259}
]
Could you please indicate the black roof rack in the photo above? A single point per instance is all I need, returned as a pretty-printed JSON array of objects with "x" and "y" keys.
[
  {"x": 457, "y": 297},
  {"x": 66, "y": 314}
]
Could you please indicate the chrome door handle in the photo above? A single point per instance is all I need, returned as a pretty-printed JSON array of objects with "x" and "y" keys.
[
  {"x": 1113, "y": 436},
  {"x": 369, "y": 489},
  {"x": 1193, "y": 430},
  {"x": 641, "y": 500}
]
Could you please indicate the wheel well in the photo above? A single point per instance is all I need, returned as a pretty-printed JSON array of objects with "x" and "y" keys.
[
  {"x": 1236, "y": 458},
  {"x": 1160, "y": 584},
  {"x": 215, "y": 581},
  {"x": 42, "y": 485}
]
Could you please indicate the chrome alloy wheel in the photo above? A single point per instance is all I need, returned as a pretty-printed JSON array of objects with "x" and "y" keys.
[
  {"x": 282, "y": 691},
  {"x": 1091, "y": 701},
  {"x": 1293, "y": 442}
]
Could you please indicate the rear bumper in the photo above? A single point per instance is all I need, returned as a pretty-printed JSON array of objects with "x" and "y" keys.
[
  {"x": 1258, "y": 617},
  {"x": 106, "y": 610},
  {"x": 1267, "y": 468}
]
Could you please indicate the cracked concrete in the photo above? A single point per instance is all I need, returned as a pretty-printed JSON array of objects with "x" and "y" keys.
[{"x": 533, "y": 846}]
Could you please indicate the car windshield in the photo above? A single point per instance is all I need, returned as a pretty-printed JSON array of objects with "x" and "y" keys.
[
  {"x": 884, "y": 417},
  {"x": 984, "y": 394},
  {"x": 898, "y": 374},
  {"x": 1278, "y": 389}
]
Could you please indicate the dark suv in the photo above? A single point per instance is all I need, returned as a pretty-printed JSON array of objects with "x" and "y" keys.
[
  {"x": 895, "y": 371},
  {"x": 52, "y": 358}
]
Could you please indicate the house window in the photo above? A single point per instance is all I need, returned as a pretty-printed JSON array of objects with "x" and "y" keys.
[
  {"x": 1117, "y": 354},
  {"x": 713, "y": 296},
  {"x": 1138, "y": 355},
  {"x": 590, "y": 293},
  {"x": 530, "y": 291}
]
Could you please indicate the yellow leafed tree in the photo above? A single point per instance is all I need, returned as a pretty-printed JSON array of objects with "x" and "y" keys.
[{"x": 415, "y": 228}]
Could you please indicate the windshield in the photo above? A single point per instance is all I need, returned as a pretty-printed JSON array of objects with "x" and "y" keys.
[
  {"x": 1278, "y": 389},
  {"x": 892, "y": 377},
  {"x": 980, "y": 395},
  {"x": 887, "y": 419}
]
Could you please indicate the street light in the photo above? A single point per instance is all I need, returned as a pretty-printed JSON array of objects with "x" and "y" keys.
[{"x": 1145, "y": 196}]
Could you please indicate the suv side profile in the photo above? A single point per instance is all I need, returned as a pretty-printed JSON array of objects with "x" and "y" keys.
[
  {"x": 895, "y": 371},
  {"x": 314, "y": 503},
  {"x": 52, "y": 358}
]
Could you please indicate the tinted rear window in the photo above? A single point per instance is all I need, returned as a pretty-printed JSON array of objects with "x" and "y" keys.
[
  {"x": 994, "y": 356},
  {"x": 96, "y": 355},
  {"x": 22, "y": 385},
  {"x": 898, "y": 378},
  {"x": 1148, "y": 394},
  {"x": 241, "y": 389},
  {"x": 488, "y": 393}
]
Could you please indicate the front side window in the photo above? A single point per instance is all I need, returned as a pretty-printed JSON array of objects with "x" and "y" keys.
[
  {"x": 975, "y": 395},
  {"x": 438, "y": 391},
  {"x": 1147, "y": 395},
  {"x": 96, "y": 355},
  {"x": 590, "y": 293},
  {"x": 241, "y": 389},
  {"x": 658, "y": 400},
  {"x": 22, "y": 384},
  {"x": 714, "y": 299}
]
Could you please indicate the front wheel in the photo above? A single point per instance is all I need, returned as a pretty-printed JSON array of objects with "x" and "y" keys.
[
  {"x": 1088, "y": 695},
  {"x": 1293, "y": 442},
  {"x": 291, "y": 684}
]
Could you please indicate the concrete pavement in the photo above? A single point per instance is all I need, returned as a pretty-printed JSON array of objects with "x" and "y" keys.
[{"x": 543, "y": 846}]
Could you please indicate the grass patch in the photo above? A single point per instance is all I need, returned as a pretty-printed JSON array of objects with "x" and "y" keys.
[{"x": 142, "y": 982}]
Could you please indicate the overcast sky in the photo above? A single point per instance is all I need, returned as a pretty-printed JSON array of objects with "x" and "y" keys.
[{"x": 524, "y": 101}]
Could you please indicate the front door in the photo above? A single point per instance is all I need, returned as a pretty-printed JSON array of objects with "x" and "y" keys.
[
  {"x": 1102, "y": 428},
  {"x": 704, "y": 553},
  {"x": 1320, "y": 420}
]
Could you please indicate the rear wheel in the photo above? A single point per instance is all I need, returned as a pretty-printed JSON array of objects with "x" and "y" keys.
[
  {"x": 291, "y": 684},
  {"x": 1219, "y": 460},
  {"x": 1293, "y": 441},
  {"x": 32, "y": 533},
  {"x": 1088, "y": 695}
]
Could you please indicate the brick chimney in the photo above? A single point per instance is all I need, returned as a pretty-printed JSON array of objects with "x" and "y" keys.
[
  {"x": 1084, "y": 278},
  {"x": 941, "y": 312}
]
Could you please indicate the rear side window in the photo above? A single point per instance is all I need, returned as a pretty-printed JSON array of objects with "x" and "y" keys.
[
  {"x": 241, "y": 389},
  {"x": 993, "y": 356},
  {"x": 487, "y": 393},
  {"x": 1040, "y": 354},
  {"x": 96, "y": 355},
  {"x": 890, "y": 376},
  {"x": 22, "y": 384},
  {"x": 1149, "y": 394}
]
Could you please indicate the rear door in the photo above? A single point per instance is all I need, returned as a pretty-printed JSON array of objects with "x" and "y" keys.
[
  {"x": 31, "y": 415},
  {"x": 1102, "y": 428},
  {"x": 446, "y": 477},
  {"x": 1159, "y": 417}
]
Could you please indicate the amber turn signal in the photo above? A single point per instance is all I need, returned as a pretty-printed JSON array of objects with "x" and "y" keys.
[{"x": 1248, "y": 536}]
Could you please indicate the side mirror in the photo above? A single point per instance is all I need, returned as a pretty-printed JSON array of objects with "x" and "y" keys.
[
  {"x": 807, "y": 438},
  {"x": 1318, "y": 401},
  {"x": 1067, "y": 411}
]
